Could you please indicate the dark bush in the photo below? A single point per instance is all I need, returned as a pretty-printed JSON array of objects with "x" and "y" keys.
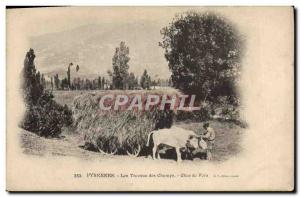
[
  {"x": 46, "y": 118},
  {"x": 164, "y": 119},
  {"x": 199, "y": 115}
]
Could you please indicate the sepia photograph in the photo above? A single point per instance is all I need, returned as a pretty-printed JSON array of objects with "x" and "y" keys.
[{"x": 150, "y": 98}]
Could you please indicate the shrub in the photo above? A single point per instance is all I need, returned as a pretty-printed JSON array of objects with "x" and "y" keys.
[
  {"x": 46, "y": 118},
  {"x": 200, "y": 115}
]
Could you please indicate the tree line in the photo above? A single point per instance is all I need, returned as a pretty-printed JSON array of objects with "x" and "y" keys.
[
  {"x": 78, "y": 83},
  {"x": 101, "y": 83},
  {"x": 119, "y": 78},
  {"x": 132, "y": 82}
]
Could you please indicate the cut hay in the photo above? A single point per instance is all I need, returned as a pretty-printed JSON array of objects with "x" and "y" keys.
[{"x": 114, "y": 131}]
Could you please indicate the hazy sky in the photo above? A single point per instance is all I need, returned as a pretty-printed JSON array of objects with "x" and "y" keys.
[{"x": 88, "y": 37}]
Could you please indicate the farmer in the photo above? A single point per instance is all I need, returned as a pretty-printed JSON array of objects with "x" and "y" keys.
[{"x": 209, "y": 137}]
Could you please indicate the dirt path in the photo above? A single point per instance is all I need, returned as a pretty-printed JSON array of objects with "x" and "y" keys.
[{"x": 65, "y": 146}]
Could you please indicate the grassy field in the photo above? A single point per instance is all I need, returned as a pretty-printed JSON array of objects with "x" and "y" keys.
[{"x": 67, "y": 97}]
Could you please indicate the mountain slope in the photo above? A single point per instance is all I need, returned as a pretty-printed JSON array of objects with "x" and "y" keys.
[{"x": 92, "y": 48}]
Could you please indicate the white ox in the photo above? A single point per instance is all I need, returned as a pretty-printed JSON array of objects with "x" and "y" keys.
[{"x": 175, "y": 137}]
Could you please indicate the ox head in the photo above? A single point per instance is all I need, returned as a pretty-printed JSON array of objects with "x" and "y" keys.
[{"x": 196, "y": 142}]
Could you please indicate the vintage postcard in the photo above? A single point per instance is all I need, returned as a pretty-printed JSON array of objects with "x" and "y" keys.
[{"x": 150, "y": 99}]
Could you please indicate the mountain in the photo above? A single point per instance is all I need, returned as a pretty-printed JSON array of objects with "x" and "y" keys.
[{"x": 92, "y": 47}]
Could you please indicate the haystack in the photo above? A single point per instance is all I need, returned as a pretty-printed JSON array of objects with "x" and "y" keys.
[{"x": 115, "y": 131}]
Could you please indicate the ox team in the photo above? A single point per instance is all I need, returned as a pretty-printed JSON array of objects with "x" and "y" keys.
[{"x": 180, "y": 138}]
